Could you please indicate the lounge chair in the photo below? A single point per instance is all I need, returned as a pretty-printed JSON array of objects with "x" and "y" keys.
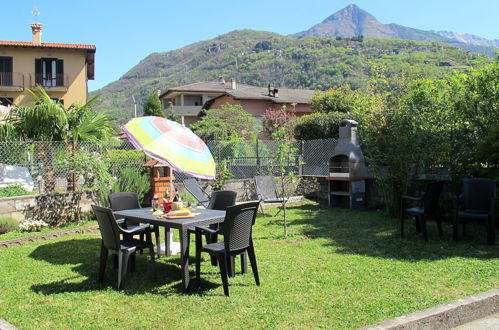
[
  {"x": 267, "y": 192},
  {"x": 193, "y": 187}
]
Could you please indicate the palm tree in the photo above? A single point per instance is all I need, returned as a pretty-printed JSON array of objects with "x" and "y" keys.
[{"x": 47, "y": 121}]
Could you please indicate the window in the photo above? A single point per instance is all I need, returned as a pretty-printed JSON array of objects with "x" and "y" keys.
[
  {"x": 5, "y": 71},
  {"x": 6, "y": 101},
  {"x": 49, "y": 72},
  {"x": 56, "y": 100}
]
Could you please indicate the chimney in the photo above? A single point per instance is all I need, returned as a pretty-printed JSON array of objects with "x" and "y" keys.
[
  {"x": 36, "y": 30},
  {"x": 233, "y": 84}
]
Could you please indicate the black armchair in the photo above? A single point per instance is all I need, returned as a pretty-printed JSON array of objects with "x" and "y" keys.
[
  {"x": 220, "y": 200},
  {"x": 427, "y": 208},
  {"x": 478, "y": 202},
  {"x": 237, "y": 231},
  {"x": 126, "y": 201},
  {"x": 123, "y": 248}
]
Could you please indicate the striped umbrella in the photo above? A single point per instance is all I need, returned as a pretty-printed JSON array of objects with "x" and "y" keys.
[{"x": 172, "y": 144}]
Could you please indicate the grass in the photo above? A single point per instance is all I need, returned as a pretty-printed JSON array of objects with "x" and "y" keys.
[
  {"x": 17, "y": 233},
  {"x": 336, "y": 269}
]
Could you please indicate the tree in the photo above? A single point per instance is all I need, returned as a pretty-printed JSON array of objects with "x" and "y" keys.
[
  {"x": 47, "y": 121},
  {"x": 284, "y": 160},
  {"x": 170, "y": 115},
  {"x": 341, "y": 99},
  {"x": 227, "y": 123},
  {"x": 153, "y": 106},
  {"x": 276, "y": 118}
]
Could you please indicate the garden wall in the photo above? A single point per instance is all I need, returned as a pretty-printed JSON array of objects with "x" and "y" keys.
[{"x": 52, "y": 208}]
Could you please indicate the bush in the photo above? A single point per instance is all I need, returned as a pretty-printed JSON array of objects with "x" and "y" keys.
[
  {"x": 8, "y": 224},
  {"x": 130, "y": 180},
  {"x": 119, "y": 159},
  {"x": 320, "y": 125},
  {"x": 13, "y": 190},
  {"x": 187, "y": 197}
]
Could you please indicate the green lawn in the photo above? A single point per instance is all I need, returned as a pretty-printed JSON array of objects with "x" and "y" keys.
[
  {"x": 336, "y": 269},
  {"x": 18, "y": 234}
]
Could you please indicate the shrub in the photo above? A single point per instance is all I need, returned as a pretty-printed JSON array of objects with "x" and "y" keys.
[
  {"x": 320, "y": 125},
  {"x": 13, "y": 190},
  {"x": 187, "y": 197},
  {"x": 131, "y": 180},
  {"x": 119, "y": 159},
  {"x": 8, "y": 224}
]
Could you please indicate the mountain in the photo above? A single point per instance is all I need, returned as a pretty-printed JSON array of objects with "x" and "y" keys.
[
  {"x": 258, "y": 58},
  {"x": 469, "y": 39},
  {"x": 352, "y": 21}
]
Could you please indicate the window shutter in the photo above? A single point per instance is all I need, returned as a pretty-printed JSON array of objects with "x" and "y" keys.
[
  {"x": 60, "y": 72},
  {"x": 38, "y": 71}
]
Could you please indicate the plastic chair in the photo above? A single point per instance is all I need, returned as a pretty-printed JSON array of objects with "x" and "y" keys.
[
  {"x": 428, "y": 208},
  {"x": 127, "y": 201},
  {"x": 192, "y": 186},
  {"x": 123, "y": 248},
  {"x": 266, "y": 191},
  {"x": 220, "y": 200},
  {"x": 237, "y": 231},
  {"x": 479, "y": 199}
]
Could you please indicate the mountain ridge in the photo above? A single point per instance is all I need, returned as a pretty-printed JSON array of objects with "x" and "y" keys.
[
  {"x": 259, "y": 57},
  {"x": 352, "y": 21}
]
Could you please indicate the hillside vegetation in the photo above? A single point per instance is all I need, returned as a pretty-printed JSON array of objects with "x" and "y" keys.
[{"x": 259, "y": 58}]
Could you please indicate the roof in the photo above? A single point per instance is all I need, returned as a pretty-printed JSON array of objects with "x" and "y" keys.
[
  {"x": 244, "y": 91},
  {"x": 203, "y": 87},
  {"x": 284, "y": 95},
  {"x": 90, "y": 48}
]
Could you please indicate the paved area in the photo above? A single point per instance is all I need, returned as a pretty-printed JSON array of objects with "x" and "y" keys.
[
  {"x": 490, "y": 322},
  {"x": 4, "y": 325}
]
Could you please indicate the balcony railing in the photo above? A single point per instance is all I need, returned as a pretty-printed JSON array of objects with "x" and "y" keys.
[
  {"x": 50, "y": 80},
  {"x": 11, "y": 79}
]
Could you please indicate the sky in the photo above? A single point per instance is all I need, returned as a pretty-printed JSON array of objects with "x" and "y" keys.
[{"x": 127, "y": 31}]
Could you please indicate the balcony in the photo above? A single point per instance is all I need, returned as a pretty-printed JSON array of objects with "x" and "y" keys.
[
  {"x": 186, "y": 110},
  {"x": 50, "y": 82},
  {"x": 11, "y": 82}
]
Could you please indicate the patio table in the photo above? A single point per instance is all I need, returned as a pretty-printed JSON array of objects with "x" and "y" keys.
[{"x": 206, "y": 217}]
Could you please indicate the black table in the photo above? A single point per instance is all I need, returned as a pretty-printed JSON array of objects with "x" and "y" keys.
[{"x": 206, "y": 217}]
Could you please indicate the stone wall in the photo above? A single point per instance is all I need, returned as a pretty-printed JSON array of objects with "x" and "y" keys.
[{"x": 57, "y": 206}]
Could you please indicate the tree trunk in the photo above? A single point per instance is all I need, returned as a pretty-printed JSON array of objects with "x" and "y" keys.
[{"x": 45, "y": 155}]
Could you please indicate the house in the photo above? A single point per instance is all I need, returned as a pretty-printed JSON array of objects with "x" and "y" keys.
[
  {"x": 188, "y": 101},
  {"x": 62, "y": 69}
]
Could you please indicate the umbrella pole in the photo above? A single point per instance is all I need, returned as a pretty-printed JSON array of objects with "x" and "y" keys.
[{"x": 171, "y": 247}]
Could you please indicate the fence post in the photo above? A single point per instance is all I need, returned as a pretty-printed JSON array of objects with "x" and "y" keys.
[{"x": 257, "y": 158}]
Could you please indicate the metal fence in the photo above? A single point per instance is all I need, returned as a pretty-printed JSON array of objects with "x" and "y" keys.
[{"x": 50, "y": 165}]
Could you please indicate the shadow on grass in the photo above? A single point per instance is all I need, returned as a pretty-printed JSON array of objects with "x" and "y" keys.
[
  {"x": 83, "y": 257},
  {"x": 373, "y": 234}
]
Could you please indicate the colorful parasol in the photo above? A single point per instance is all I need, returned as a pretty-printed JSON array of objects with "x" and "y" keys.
[{"x": 172, "y": 144}]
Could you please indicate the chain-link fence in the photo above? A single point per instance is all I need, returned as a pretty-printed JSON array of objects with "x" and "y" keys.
[{"x": 57, "y": 166}]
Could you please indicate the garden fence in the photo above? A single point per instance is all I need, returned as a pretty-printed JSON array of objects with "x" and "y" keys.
[{"x": 50, "y": 165}]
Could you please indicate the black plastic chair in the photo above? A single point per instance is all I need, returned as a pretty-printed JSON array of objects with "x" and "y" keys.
[
  {"x": 193, "y": 187},
  {"x": 479, "y": 199},
  {"x": 127, "y": 201},
  {"x": 123, "y": 248},
  {"x": 267, "y": 192},
  {"x": 220, "y": 200},
  {"x": 427, "y": 208},
  {"x": 237, "y": 231}
]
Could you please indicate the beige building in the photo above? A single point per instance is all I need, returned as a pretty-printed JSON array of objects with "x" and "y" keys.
[
  {"x": 61, "y": 69},
  {"x": 188, "y": 101}
]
